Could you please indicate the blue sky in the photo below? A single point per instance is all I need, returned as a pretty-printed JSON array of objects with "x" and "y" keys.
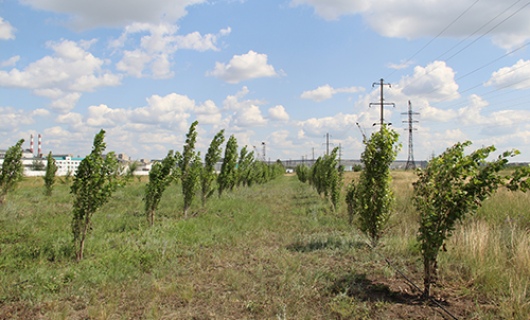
[{"x": 283, "y": 72}]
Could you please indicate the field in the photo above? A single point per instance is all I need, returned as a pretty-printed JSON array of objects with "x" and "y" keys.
[{"x": 273, "y": 251}]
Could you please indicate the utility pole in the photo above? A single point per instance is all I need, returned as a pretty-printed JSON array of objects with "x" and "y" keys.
[
  {"x": 340, "y": 154},
  {"x": 264, "y": 152},
  {"x": 327, "y": 143},
  {"x": 410, "y": 161},
  {"x": 382, "y": 102}
]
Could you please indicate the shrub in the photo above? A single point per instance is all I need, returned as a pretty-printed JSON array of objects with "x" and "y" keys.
[
  {"x": 12, "y": 169},
  {"x": 451, "y": 186},
  {"x": 94, "y": 183},
  {"x": 49, "y": 177},
  {"x": 372, "y": 197}
]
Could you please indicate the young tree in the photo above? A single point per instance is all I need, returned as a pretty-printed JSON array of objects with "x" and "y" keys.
[
  {"x": 451, "y": 186},
  {"x": 227, "y": 176},
  {"x": 208, "y": 174},
  {"x": 189, "y": 167},
  {"x": 160, "y": 176},
  {"x": 49, "y": 177},
  {"x": 372, "y": 197},
  {"x": 334, "y": 177},
  {"x": 12, "y": 169},
  {"x": 302, "y": 172},
  {"x": 325, "y": 176},
  {"x": 94, "y": 183},
  {"x": 244, "y": 167}
]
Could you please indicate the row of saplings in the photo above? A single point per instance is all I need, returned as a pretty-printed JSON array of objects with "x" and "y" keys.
[
  {"x": 450, "y": 187},
  {"x": 99, "y": 175}
]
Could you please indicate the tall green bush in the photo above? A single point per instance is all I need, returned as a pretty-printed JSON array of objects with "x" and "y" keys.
[
  {"x": 244, "y": 167},
  {"x": 189, "y": 167},
  {"x": 160, "y": 176},
  {"x": 302, "y": 172},
  {"x": 12, "y": 169},
  {"x": 371, "y": 197},
  {"x": 94, "y": 182},
  {"x": 450, "y": 187},
  {"x": 228, "y": 175},
  {"x": 208, "y": 175},
  {"x": 49, "y": 176},
  {"x": 326, "y": 177}
]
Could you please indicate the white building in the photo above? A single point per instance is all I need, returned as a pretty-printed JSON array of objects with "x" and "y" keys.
[{"x": 66, "y": 164}]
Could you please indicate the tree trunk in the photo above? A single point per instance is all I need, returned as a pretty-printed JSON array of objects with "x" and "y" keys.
[
  {"x": 79, "y": 253},
  {"x": 186, "y": 209},
  {"x": 151, "y": 217},
  {"x": 426, "y": 279}
]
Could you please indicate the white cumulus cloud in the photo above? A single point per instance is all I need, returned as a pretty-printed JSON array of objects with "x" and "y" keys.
[
  {"x": 516, "y": 76},
  {"x": 436, "y": 82},
  {"x": 327, "y": 92},
  {"x": 243, "y": 67},
  {"x": 7, "y": 31},
  {"x": 418, "y": 18},
  {"x": 278, "y": 113},
  {"x": 333, "y": 9},
  {"x": 336, "y": 125},
  {"x": 11, "y": 62},
  {"x": 115, "y": 13},
  {"x": 153, "y": 46},
  {"x": 62, "y": 76}
]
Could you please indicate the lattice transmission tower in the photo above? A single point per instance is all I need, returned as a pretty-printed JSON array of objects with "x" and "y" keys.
[{"x": 410, "y": 160}]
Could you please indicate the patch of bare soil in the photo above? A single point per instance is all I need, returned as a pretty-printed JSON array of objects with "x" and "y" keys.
[{"x": 397, "y": 299}]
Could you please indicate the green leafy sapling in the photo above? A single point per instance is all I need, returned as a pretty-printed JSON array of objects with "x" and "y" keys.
[
  {"x": 302, "y": 172},
  {"x": 244, "y": 167},
  {"x": 450, "y": 187},
  {"x": 49, "y": 176},
  {"x": 160, "y": 176},
  {"x": 371, "y": 198},
  {"x": 208, "y": 175},
  {"x": 94, "y": 182},
  {"x": 12, "y": 169},
  {"x": 189, "y": 167},
  {"x": 227, "y": 177}
]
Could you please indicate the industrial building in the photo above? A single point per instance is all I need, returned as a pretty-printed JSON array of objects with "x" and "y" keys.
[{"x": 35, "y": 163}]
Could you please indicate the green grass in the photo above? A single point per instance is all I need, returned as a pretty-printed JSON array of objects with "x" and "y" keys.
[{"x": 273, "y": 251}]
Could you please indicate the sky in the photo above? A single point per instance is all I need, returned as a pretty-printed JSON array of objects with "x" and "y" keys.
[{"x": 281, "y": 74}]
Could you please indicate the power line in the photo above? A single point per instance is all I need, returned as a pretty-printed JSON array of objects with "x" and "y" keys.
[
  {"x": 476, "y": 31},
  {"x": 438, "y": 35},
  {"x": 480, "y": 84},
  {"x": 476, "y": 39}
]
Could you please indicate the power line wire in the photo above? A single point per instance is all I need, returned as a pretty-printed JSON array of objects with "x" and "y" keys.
[
  {"x": 438, "y": 35},
  {"x": 477, "y": 30},
  {"x": 476, "y": 39}
]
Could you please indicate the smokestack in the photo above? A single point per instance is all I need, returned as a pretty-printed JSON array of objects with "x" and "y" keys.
[
  {"x": 39, "y": 153},
  {"x": 31, "y": 143}
]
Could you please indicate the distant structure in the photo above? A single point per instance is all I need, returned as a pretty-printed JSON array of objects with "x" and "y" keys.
[
  {"x": 67, "y": 164},
  {"x": 39, "y": 152},
  {"x": 410, "y": 160},
  {"x": 264, "y": 151},
  {"x": 31, "y": 149},
  {"x": 382, "y": 102},
  {"x": 327, "y": 135}
]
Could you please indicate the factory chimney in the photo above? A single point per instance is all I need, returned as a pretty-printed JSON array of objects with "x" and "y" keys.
[
  {"x": 39, "y": 152},
  {"x": 31, "y": 144}
]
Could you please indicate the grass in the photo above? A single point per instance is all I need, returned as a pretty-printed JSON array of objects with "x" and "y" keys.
[{"x": 274, "y": 251}]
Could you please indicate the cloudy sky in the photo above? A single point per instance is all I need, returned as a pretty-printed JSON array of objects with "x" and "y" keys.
[{"x": 283, "y": 72}]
